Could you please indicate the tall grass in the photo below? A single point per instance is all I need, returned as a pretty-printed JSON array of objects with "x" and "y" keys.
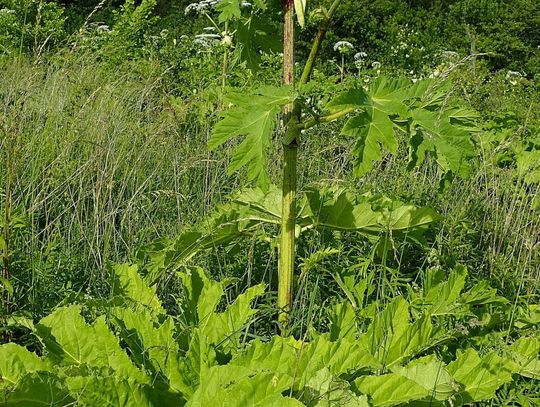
[{"x": 100, "y": 166}]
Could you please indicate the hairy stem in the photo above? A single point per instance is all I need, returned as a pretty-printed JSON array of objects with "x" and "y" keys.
[{"x": 290, "y": 148}]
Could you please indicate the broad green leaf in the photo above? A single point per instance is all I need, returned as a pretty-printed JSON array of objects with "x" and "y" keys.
[
  {"x": 391, "y": 389},
  {"x": 39, "y": 389},
  {"x": 266, "y": 204},
  {"x": 481, "y": 294},
  {"x": 431, "y": 374},
  {"x": 16, "y": 361},
  {"x": 199, "y": 359},
  {"x": 372, "y": 130},
  {"x": 451, "y": 144},
  {"x": 153, "y": 346},
  {"x": 324, "y": 208},
  {"x": 201, "y": 295},
  {"x": 229, "y": 10},
  {"x": 480, "y": 377},
  {"x": 230, "y": 386},
  {"x": 388, "y": 94},
  {"x": 421, "y": 110},
  {"x": 354, "y": 98},
  {"x": 215, "y": 330},
  {"x": 343, "y": 210},
  {"x": 225, "y": 327},
  {"x": 69, "y": 340},
  {"x": 427, "y": 93},
  {"x": 391, "y": 338},
  {"x": 525, "y": 352},
  {"x": 253, "y": 117},
  {"x": 441, "y": 299},
  {"x": 342, "y": 321},
  {"x": 303, "y": 360},
  {"x": 130, "y": 285},
  {"x": 111, "y": 391},
  {"x": 204, "y": 294},
  {"x": 326, "y": 390},
  {"x": 300, "y": 9}
]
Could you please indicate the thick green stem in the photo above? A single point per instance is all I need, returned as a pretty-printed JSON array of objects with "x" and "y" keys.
[
  {"x": 292, "y": 114},
  {"x": 310, "y": 63},
  {"x": 288, "y": 222},
  {"x": 288, "y": 215}
]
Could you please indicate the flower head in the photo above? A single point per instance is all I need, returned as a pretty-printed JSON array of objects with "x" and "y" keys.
[
  {"x": 514, "y": 77},
  {"x": 360, "y": 56},
  {"x": 343, "y": 47},
  {"x": 202, "y": 5}
]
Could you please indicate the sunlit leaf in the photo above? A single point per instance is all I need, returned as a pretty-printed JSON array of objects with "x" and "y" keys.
[
  {"x": 480, "y": 376},
  {"x": 253, "y": 117}
]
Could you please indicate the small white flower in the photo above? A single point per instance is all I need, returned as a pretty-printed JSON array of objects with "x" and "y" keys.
[
  {"x": 514, "y": 77},
  {"x": 193, "y": 7},
  {"x": 376, "y": 65},
  {"x": 360, "y": 55},
  {"x": 200, "y": 6},
  {"x": 343, "y": 47}
]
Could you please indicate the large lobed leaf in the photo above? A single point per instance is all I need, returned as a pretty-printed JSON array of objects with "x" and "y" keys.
[
  {"x": 16, "y": 361},
  {"x": 479, "y": 376},
  {"x": 329, "y": 208},
  {"x": 70, "y": 341},
  {"x": 431, "y": 122},
  {"x": 253, "y": 116}
]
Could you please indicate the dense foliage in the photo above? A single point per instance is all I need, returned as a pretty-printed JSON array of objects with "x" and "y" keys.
[
  {"x": 202, "y": 357},
  {"x": 142, "y": 204}
]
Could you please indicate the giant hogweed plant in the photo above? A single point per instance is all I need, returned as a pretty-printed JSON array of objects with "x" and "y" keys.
[
  {"x": 128, "y": 351},
  {"x": 378, "y": 117}
]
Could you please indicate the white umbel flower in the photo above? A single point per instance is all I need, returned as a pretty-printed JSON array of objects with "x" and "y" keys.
[
  {"x": 196, "y": 8},
  {"x": 359, "y": 56},
  {"x": 343, "y": 47},
  {"x": 514, "y": 77}
]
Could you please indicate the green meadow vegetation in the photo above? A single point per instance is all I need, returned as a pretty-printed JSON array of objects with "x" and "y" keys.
[{"x": 269, "y": 203}]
